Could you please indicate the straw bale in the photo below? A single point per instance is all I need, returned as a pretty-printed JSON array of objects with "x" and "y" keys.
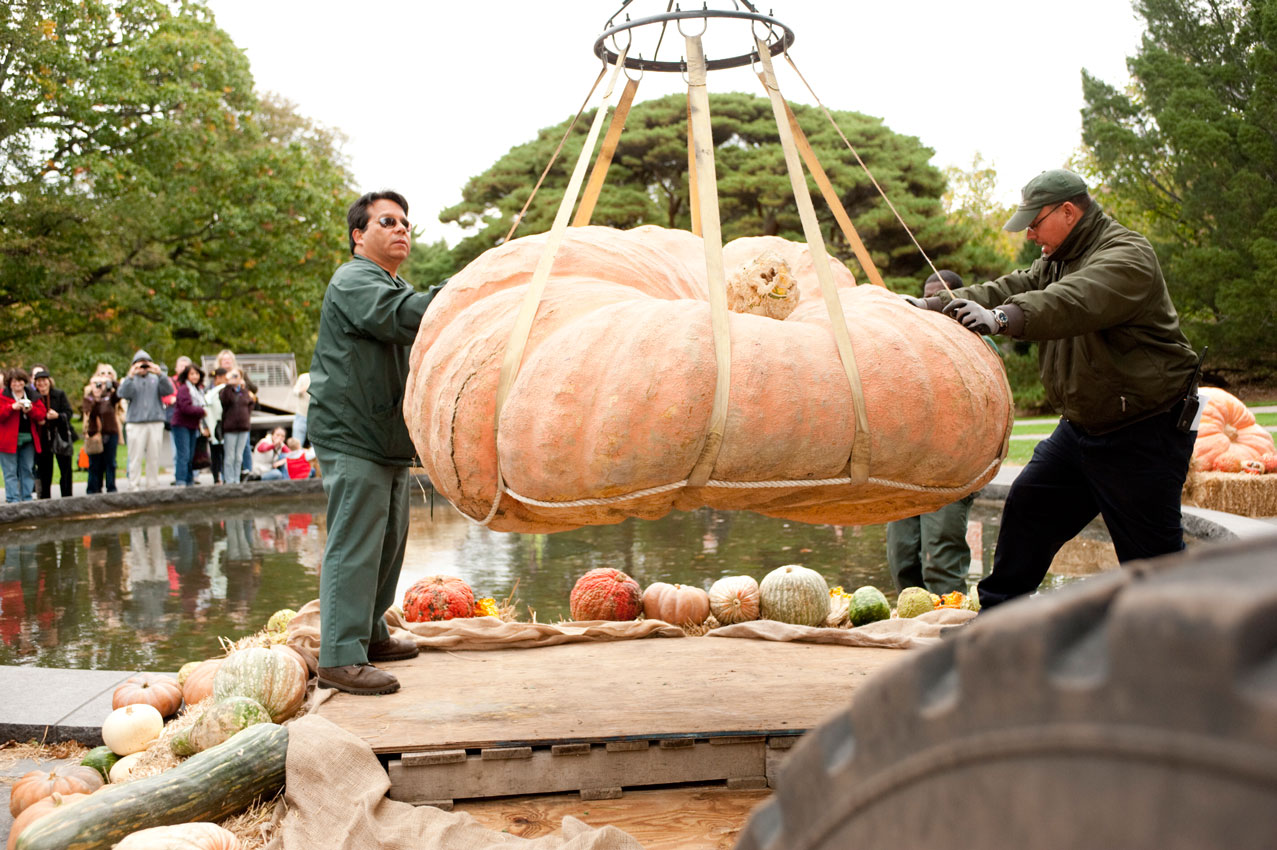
[{"x": 1232, "y": 492}]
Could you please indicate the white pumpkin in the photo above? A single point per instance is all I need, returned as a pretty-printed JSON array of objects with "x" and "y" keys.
[
  {"x": 182, "y": 836},
  {"x": 734, "y": 599},
  {"x": 132, "y": 728},
  {"x": 122, "y": 770}
]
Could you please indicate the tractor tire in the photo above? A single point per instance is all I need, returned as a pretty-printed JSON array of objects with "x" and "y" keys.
[{"x": 1135, "y": 709}]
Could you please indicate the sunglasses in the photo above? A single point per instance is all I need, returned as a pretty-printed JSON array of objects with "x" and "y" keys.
[{"x": 389, "y": 222}]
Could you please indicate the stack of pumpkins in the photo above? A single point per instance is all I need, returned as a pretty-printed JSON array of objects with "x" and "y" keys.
[
  {"x": 250, "y": 686},
  {"x": 790, "y": 594}
]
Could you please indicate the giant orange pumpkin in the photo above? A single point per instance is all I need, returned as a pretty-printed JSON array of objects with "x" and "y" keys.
[
  {"x": 617, "y": 382},
  {"x": 1228, "y": 435}
]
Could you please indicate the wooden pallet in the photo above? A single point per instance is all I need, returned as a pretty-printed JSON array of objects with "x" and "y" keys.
[
  {"x": 596, "y": 771},
  {"x": 600, "y": 717}
]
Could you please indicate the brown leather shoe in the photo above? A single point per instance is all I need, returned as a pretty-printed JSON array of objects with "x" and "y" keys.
[
  {"x": 392, "y": 649},
  {"x": 363, "y": 679}
]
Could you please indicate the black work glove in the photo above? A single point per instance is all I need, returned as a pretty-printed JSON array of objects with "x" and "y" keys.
[{"x": 972, "y": 316}]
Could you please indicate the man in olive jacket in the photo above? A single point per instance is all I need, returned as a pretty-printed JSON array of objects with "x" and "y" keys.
[
  {"x": 367, "y": 325},
  {"x": 1116, "y": 365}
]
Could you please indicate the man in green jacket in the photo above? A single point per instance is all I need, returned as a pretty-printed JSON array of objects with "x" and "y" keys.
[
  {"x": 367, "y": 325},
  {"x": 1116, "y": 365}
]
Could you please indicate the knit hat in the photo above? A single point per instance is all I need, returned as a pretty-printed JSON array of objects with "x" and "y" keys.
[{"x": 141, "y": 355}]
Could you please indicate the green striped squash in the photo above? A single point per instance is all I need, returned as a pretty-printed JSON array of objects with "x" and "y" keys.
[{"x": 794, "y": 594}]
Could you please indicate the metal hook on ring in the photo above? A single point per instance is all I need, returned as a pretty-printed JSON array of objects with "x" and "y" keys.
[
  {"x": 626, "y": 70},
  {"x": 704, "y": 27},
  {"x": 629, "y": 39},
  {"x": 682, "y": 71}
]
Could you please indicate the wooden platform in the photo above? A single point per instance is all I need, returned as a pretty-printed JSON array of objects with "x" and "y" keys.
[{"x": 600, "y": 717}]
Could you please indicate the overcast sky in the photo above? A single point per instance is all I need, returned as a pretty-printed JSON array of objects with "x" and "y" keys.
[{"x": 430, "y": 94}]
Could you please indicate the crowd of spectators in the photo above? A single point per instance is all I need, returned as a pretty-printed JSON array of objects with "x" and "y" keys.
[{"x": 208, "y": 418}]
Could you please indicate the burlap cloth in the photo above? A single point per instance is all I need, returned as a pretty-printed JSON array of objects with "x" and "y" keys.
[
  {"x": 335, "y": 794},
  {"x": 336, "y": 788},
  {"x": 480, "y": 633}
]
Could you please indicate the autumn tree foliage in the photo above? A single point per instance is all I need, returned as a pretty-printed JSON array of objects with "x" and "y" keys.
[{"x": 148, "y": 196}]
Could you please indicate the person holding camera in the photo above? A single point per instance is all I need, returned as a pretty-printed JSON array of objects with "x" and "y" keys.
[
  {"x": 20, "y": 419},
  {"x": 145, "y": 388},
  {"x": 98, "y": 410},
  {"x": 237, "y": 420},
  {"x": 56, "y": 436}
]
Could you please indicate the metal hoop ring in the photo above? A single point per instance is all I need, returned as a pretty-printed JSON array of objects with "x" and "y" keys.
[{"x": 784, "y": 39}]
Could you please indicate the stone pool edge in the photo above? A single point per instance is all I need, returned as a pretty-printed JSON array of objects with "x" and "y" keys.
[{"x": 50, "y": 704}]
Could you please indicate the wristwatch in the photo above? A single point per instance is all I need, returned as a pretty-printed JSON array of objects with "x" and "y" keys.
[{"x": 1000, "y": 316}]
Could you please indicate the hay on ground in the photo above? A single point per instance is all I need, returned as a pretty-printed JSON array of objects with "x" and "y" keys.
[
  {"x": 1232, "y": 492},
  {"x": 12, "y": 752}
]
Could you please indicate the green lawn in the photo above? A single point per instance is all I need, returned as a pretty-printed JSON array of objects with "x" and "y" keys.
[{"x": 1269, "y": 419}]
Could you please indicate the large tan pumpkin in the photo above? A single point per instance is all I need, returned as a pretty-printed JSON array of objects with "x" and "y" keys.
[{"x": 617, "y": 383}]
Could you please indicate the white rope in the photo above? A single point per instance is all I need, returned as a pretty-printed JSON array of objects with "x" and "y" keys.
[{"x": 730, "y": 485}]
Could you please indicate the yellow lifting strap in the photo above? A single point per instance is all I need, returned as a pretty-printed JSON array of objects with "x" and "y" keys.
[
  {"x": 707, "y": 192},
  {"x": 599, "y": 173},
  {"x": 858, "y": 465},
  {"x": 536, "y": 287},
  {"x": 693, "y": 196}
]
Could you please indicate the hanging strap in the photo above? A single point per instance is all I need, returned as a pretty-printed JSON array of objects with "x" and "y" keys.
[
  {"x": 831, "y": 198},
  {"x": 536, "y": 287},
  {"x": 693, "y": 194},
  {"x": 707, "y": 186},
  {"x": 858, "y": 465},
  {"x": 599, "y": 174}
]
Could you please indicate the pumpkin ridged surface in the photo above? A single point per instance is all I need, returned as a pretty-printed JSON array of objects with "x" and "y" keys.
[
  {"x": 218, "y": 723},
  {"x": 273, "y": 677},
  {"x": 1228, "y": 434},
  {"x": 182, "y": 836},
  {"x": 207, "y": 786},
  {"x": 42, "y": 809},
  {"x": 198, "y": 685},
  {"x": 617, "y": 382},
  {"x": 163, "y": 693},
  {"x": 794, "y": 594},
  {"x": 734, "y": 599},
  {"x": 35, "y": 785},
  {"x": 605, "y": 594},
  {"x": 678, "y": 604},
  {"x": 438, "y": 598}
]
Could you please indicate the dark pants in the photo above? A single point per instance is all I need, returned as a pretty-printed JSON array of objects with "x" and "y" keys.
[
  {"x": 216, "y": 457},
  {"x": 931, "y": 550},
  {"x": 367, "y": 536},
  {"x": 1132, "y": 477},
  {"x": 183, "y": 449},
  {"x": 44, "y": 473},
  {"x": 102, "y": 466}
]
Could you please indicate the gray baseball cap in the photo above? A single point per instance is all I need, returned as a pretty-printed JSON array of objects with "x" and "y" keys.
[{"x": 1049, "y": 187}]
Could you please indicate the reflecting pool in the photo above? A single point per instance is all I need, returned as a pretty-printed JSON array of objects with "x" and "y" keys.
[{"x": 153, "y": 590}]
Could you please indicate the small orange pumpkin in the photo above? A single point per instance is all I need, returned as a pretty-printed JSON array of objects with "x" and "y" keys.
[
  {"x": 160, "y": 692},
  {"x": 37, "y": 810},
  {"x": 1228, "y": 434},
  {"x": 35, "y": 785},
  {"x": 675, "y": 603},
  {"x": 199, "y": 682}
]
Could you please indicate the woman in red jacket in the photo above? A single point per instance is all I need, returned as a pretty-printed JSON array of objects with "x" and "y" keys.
[{"x": 21, "y": 416}]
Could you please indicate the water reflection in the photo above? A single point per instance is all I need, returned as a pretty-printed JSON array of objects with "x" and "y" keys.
[{"x": 157, "y": 589}]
